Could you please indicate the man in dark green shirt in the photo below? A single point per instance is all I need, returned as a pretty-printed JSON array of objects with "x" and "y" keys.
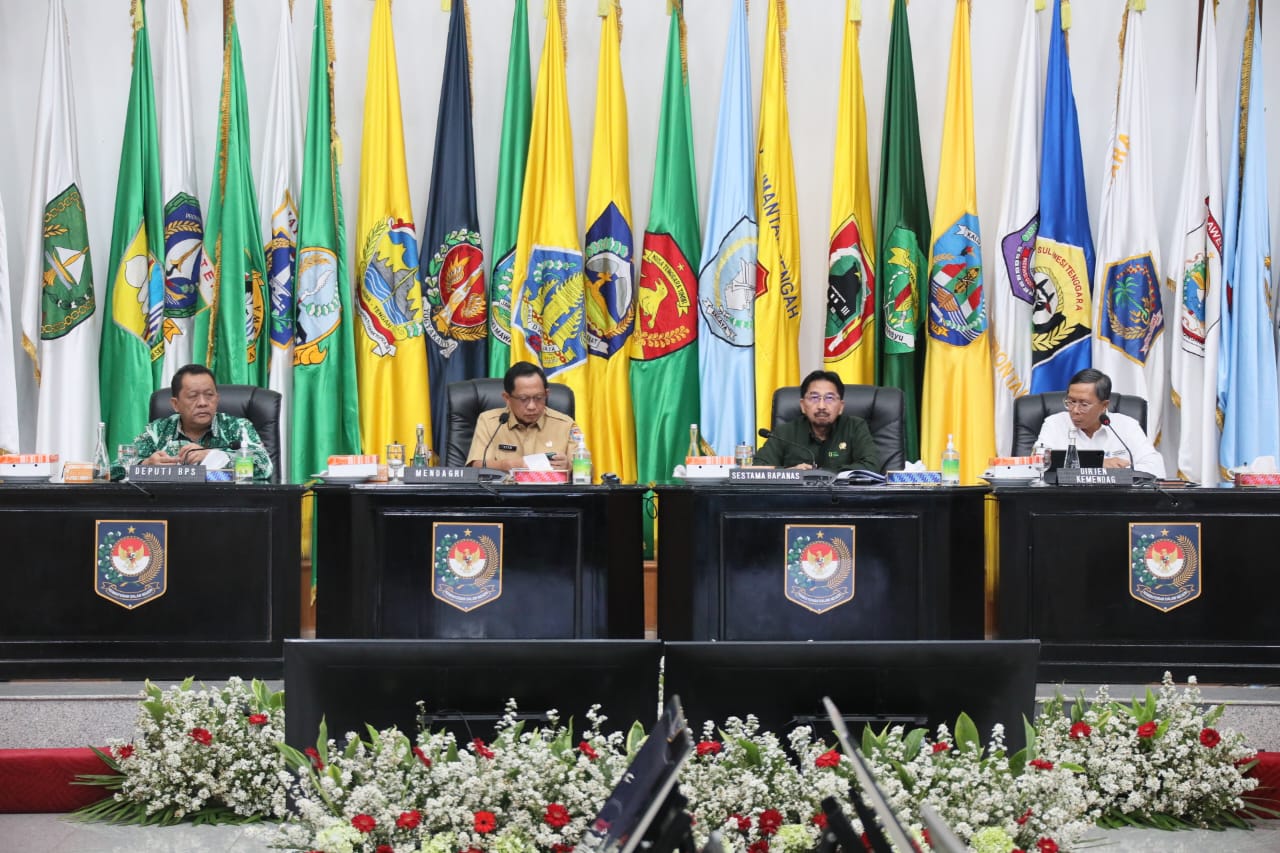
[{"x": 836, "y": 441}]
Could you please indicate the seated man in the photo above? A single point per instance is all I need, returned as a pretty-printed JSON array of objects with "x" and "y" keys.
[
  {"x": 504, "y": 437},
  {"x": 1088, "y": 396},
  {"x": 197, "y": 433},
  {"x": 836, "y": 441}
]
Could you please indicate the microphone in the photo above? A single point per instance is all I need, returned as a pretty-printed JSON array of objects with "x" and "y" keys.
[
  {"x": 484, "y": 458},
  {"x": 768, "y": 433},
  {"x": 1105, "y": 420}
]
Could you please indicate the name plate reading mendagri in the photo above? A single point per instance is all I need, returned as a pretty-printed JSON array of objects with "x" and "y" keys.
[
  {"x": 167, "y": 474},
  {"x": 1103, "y": 477},
  {"x": 450, "y": 475},
  {"x": 780, "y": 475}
]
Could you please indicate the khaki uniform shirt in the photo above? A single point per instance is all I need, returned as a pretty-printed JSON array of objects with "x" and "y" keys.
[{"x": 514, "y": 441}]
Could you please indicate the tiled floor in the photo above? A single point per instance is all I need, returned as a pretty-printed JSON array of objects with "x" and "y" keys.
[{"x": 56, "y": 834}]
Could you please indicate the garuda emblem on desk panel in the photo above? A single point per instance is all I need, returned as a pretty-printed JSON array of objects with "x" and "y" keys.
[
  {"x": 466, "y": 570},
  {"x": 818, "y": 570},
  {"x": 1165, "y": 565},
  {"x": 130, "y": 561}
]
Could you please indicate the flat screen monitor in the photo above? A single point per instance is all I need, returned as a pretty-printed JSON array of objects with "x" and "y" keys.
[
  {"x": 464, "y": 684},
  {"x": 912, "y": 683},
  {"x": 1088, "y": 458}
]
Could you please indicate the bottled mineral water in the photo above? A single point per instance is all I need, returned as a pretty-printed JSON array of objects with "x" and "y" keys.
[{"x": 1072, "y": 459}]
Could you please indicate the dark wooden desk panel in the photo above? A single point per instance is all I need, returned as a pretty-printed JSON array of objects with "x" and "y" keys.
[
  {"x": 918, "y": 562},
  {"x": 1065, "y": 579},
  {"x": 572, "y": 562},
  {"x": 232, "y": 565}
]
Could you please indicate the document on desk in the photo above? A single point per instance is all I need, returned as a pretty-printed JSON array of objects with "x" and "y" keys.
[{"x": 537, "y": 462}]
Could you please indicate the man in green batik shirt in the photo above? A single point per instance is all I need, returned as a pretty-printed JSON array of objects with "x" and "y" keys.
[
  {"x": 197, "y": 433},
  {"x": 838, "y": 442}
]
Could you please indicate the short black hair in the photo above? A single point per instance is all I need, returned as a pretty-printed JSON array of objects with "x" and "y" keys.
[
  {"x": 189, "y": 370},
  {"x": 522, "y": 368},
  {"x": 820, "y": 375},
  {"x": 1101, "y": 382}
]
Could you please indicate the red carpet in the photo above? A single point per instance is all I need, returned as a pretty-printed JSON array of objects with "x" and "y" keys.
[
  {"x": 40, "y": 780},
  {"x": 1267, "y": 772}
]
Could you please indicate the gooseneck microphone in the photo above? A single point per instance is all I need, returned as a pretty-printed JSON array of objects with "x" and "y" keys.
[
  {"x": 768, "y": 433},
  {"x": 1105, "y": 420},
  {"x": 484, "y": 459}
]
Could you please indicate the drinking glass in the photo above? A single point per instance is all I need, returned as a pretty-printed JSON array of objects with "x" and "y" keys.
[
  {"x": 744, "y": 455},
  {"x": 128, "y": 456},
  {"x": 395, "y": 461}
]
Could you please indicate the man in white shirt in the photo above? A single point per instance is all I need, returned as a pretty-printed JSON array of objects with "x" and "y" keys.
[{"x": 1087, "y": 401}]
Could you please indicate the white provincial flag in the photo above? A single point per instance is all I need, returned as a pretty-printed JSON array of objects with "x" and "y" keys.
[
  {"x": 8, "y": 377},
  {"x": 278, "y": 212},
  {"x": 1013, "y": 293},
  {"x": 1128, "y": 311},
  {"x": 59, "y": 326}
]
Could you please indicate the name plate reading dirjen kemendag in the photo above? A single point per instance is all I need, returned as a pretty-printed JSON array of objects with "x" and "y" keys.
[
  {"x": 167, "y": 474},
  {"x": 1102, "y": 477}
]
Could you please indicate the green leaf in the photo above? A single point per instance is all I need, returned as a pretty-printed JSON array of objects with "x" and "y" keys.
[
  {"x": 966, "y": 732},
  {"x": 911, "y": 743},
  {"x": 635, "y": 738},
  {"x": 1033, "y": 739},
  {"x": 1215, "y": 714},
  {"x": 451, "y": 754},
  {"x": 322, "y": 740},
  {"x": 751, "y": 749},
  {"x": 1018, "y": 761}
]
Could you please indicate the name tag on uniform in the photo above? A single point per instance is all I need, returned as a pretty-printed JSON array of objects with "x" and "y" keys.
[{"x": 509, "y": 448}]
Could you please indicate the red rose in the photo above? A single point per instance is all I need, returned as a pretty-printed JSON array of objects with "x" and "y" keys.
[
  {"x": 364, "y": 822},
  {"x": 941, "y": 746},
  {"x": 830, "y": 758},
  {"x": 709, "y": 747},
  {"x": 760, "y": 846},
  {"x": 924, "y": 833},
  {"x": 562, "y": 848},
  {"x": 1080, "y": 729},
  {"x": 819, "y": 820},
  {"x": 1144, "y": 730},
  {"x": 257, "y": 719},
  {"x": 769, "y": 821},
  {"x": 409, "y": 819},
  {"x": 1041, "y": 764},
  {"x": 556, "y": 816},
  {"x": 585, "y": 749},
  {"x": 485, "y": 822},
  {"x": 124, "y": 752},
  {"x": 471, "y": 850},
  {"x": 385, "y": 848},
  {"x": 310, "y": 752},
  {"x": 422, "y": 756},
  {"x": 482, "y": 750},
  {"x": 201, "y": 736},
  {"x": 1210, "y": 737},
  {"x": 744, "y": 822},
  {"x": 1026, "y": 816},
  {"x": 1047, "y": 845}
]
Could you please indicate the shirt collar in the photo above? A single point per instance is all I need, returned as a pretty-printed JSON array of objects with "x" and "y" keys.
[{"x": 516, "y": 424}]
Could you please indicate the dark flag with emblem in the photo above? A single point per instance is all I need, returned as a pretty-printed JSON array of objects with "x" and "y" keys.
[{"x": 452, "y": 262}]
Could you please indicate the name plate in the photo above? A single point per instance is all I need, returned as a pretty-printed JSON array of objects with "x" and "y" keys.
[
  {"x": 780, "y": 475},
  {"x": 1102, "y": 477},
  {"x": 450, "y": 475},
  {"x": 167, "y": 474}
]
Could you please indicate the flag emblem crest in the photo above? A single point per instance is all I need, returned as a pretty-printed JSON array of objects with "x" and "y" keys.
[
  {"x": 902, "y": 307},
  {"x": 255, "y": 313},
  {"x": 1132, "y": 301},
  {"x": 500, "y": 306},
  {"x": 387, "y": 300},
  {"x": 850, "y": 293},
  {"x": 319, "y": 303},
  {"x": 551, "y": 311},
  {"x": 667, "y": 291},
  {"x": 610, "y": 294},
  {"x": 1060, "y": 308},
  {"x": 130, "y": 561},
  {"x": 730, "y": 307},
  {"x": 1164, "y": 564},
  {"x": 818, "y": 569},
  {"x": 67, "y": 292},
  {"x": 137, "y": 300},
  {"x": 1193, "y": 307},
  {"x": 184, "y": 258},
  {"x": 467, "y": 568},
  {"x": 279, "y": 257},
  {"x": 1018, "y": 251},
  {"x": 957, "y": 309},
  {"x": 454, "y": 291}
]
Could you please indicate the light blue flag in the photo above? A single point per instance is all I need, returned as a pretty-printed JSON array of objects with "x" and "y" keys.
[
  {"x": 1061, "y": 313},
  {"x": 1247, "y": 359},
  {"x": 727, "y": 280}
]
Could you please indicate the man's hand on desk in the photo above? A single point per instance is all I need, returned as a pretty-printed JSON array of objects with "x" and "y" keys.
[
  {"x": 1115, "y": 462},
  {"x": 189, "y": 454}
]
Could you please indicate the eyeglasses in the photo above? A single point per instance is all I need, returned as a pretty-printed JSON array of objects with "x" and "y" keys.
[
  {"x": 533, "y": 399},
  {"x": 815, "y": 399},
  {"x": 1076, "y": 405}
]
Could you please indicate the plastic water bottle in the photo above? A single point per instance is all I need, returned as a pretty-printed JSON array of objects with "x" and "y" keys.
[
  {"x": 1072, "y": 459},
  {"x": 950, "y": 464},
  {"x": 581, "y": 463},
  {"x": 101, "y": 461},
  {"x": 244, "y": 460}
]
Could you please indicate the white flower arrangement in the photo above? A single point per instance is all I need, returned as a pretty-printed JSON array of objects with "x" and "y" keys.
[{"x": 202, "y": 755}]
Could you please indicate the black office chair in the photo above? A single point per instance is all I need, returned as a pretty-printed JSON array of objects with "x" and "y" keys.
[
  {"x": 468, "y": 399},
  {"x": 260, "y": 406},
  {"x": 882, "y": 408},
  {"x": 1030, "y": 411}
]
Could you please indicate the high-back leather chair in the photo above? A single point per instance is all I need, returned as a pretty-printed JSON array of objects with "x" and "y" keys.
[
  {"x": 468, "y": 399},
  {"x": 1030, "y": 411},
  {"x": 260, "y": 406},
  {"x": 882, "y": 408}
]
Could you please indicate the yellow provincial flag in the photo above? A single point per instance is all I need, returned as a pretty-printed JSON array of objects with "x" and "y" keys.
[
  {"x": 610, "y": 267},
  {"x": 849, "y": 338},
  {"x": 391, "y": 355},
  {"x": 958, "y": 395},
  {"x": 548, "y": 311},
  {"x": 777, "y": 327}
]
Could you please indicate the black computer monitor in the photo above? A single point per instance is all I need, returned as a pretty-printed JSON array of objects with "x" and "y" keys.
[
  {"x": 464, "y": 684},
  {"x": 916, "y": 683}
]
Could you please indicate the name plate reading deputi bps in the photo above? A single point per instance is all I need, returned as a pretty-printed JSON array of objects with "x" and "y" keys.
[
  {"x": 780, "y": 475},
  {"x": 450, "y": 475},
  {"x": 167, "y": 474}
]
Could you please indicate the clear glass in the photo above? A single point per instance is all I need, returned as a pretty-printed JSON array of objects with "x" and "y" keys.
[
  {"x": 101, "y": 462},
  {"x": 1040, "y": 455},
  {"x": 1072, "y": 459},
  {"x": 127, "y": 456},
  {"x": 395, "y": 461},
  {"x": 744, "y": 454}
]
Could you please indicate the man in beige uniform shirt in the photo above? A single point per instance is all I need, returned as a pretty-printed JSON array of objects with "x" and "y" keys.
[{"x": 530, "y": 426}]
